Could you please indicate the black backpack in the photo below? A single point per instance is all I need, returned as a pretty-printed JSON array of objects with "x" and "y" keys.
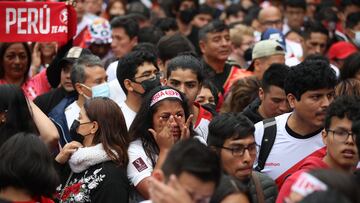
[{"x": 267, "y": 142}]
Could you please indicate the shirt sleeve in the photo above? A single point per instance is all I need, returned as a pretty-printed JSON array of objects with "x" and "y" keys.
[{"x": 140, "y": 165}]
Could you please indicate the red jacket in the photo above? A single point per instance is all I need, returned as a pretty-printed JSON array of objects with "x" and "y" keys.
[{"x": 309, "y": 164}]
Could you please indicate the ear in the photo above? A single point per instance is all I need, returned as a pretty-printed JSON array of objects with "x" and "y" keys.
[
  {"x": 292, "y": 100},
  {"x": 202, "y": 46},
  {"x": 261, "y": 94},
  {"x": 158, "y": 175},
  {"x": 134, "y": 40},
  {"x": 78, "y": 88},
  {"x": 324, "y": 136},
  {"x": 128, "y": 85},
  {"x": 95, "y": 127}
]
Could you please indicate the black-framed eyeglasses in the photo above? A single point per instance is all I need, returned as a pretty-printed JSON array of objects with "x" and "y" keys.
[
  {"x": 240, "y": 150},
  {"x": 148, "y": 75},
  {"x": 341, "y": 135}
]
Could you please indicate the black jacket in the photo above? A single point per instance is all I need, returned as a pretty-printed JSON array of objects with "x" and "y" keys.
[
  {"x": 251, "y": 111},
  {"x": 103, "y": 182}
]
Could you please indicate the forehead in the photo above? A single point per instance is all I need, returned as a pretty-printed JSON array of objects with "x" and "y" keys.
[
  {"x": 217, "y": 34},
  {"x": 146, "y": 66},
  {"x": 169, "y": 105},
  {"x": 319, "y": 91},
  {"x": 318, "y": 36},
  {"x": 183, "y": 75},
  {"x": 234, "y": 140},
  {"x": 336, "y": 122},
  {"x": 16, "y": 47},
  {"x": 119, "y": 31},
  {"x": 94, "y": 72}
]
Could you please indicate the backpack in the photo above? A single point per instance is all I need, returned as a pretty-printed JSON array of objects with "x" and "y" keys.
[{"x": 267, "y": 142}]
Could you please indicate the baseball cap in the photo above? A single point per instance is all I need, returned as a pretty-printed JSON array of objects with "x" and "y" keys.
[
  {"x": 73, "y": 54},
  {"x": 138, "y": 10},
  {"x": 341, "y": 50},
  {"x": 274, "y": 34},
  {"x": 265, "y": 48}
]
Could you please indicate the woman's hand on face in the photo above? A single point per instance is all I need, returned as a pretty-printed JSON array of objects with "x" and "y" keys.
[
  {"x": 184, "y": 126},
  {"x": 164, "y": 138},
  {"x": 67, "y": 151}
]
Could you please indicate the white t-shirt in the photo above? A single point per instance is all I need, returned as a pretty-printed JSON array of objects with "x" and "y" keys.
[
  {"x": 111, "y": 71},
  {"x": 116, "y": 92},
  {"x": 140, "y": 166},
  {"x": 72, "y": 113},
  {"x": 287, "y": 150},
  {"x": 201, "y": 126},
  {"x": 129, "y": 114}
]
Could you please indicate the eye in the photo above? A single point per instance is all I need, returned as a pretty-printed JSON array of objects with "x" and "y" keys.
[
  {"x": 165, "y": 117},
  {"x": 175, "y": 83}
]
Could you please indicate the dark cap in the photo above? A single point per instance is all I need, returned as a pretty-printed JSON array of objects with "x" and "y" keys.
[{"x": 73, "y": 54}]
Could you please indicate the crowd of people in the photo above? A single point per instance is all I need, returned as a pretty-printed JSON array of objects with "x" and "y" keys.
[{"x": 186, "y": 101}]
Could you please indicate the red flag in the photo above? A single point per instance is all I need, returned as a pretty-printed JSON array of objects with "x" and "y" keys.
[{"x": 36, "y": 21}]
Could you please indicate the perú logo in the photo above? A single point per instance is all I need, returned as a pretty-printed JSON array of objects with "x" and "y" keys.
[{"x": 63, "y": 16}]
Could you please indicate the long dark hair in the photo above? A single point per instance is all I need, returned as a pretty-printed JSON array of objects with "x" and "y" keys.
[
  {"x": 144, "y": 121},
  {"x": 112, "y": 131},
  {"x": 4, "y": 47},
  {"x": 18, "y": 117}
]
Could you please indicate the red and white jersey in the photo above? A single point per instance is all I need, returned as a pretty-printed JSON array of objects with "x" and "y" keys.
[
  {"x": 201, "y": 126},
  {"x": 289, "y": 149}
]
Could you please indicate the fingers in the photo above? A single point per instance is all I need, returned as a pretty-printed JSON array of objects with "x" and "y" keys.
[{"x": 188, "y": 122}]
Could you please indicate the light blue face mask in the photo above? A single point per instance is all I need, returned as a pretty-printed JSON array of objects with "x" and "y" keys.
[{"x": 101, "y": 90}]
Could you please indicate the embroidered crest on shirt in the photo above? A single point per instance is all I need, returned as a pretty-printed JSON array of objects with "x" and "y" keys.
[{"x": 139, "y": 164}]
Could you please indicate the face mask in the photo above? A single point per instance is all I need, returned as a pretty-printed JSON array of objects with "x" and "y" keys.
[
  {"x": 187, "y": 15},
  {"x": 150, "y": 84},
  {"x": 101, "y": 90},
  {"x": 357, "y": 38},
  {"x": 73, "y": 132}
]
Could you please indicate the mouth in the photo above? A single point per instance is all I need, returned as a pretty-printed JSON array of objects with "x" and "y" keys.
[
  {"x": 245, "y": 171},
  {"x": 348, "y": 153}
]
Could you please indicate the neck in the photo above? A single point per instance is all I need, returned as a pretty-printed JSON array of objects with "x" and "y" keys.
[
  {"x": 14, "y": 194},
  {"x": 333, "y": 165},
  {"x": 216, "y": 65},
  {"x": 88, "y": 140},
  {"x": 81, "y": 100},
  {"x": 300, "y": 126},
  {"x": 133, "y": 101},
  {"x": 17, "y": 81},
  {"x": 240, "y": 60},
  {"x": 183, "y": 28},
  {"x": 46, "y": 59},
  {"x": 262, "y": 111}
]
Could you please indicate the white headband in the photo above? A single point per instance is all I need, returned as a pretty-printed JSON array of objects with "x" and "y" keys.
[{"x": 163, "y": 94}]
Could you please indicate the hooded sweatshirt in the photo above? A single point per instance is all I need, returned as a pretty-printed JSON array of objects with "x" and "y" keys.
[{"x": 309, "y": 164}]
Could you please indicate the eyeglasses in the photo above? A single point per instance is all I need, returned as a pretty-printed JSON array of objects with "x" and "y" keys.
[
  {"x": 240, "y": 150},
  {"x": 342, "y": 135},
  {"x": 148, "y": 75}
]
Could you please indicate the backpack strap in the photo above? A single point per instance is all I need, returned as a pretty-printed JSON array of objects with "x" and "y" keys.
[
  {"x": 259, "y": 190},
  {"x": 267, "y": 142}
]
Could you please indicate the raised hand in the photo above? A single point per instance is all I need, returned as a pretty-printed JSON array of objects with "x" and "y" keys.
[
  {"x": 67, "y": 151},
  {"x": 184, "y": 126},
  {"x": 163, "y": 136}
]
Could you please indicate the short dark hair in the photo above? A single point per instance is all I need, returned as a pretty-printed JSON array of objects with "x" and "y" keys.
[
  {"x": 309, "y": 75},
  {"x": 229, "y": 125},
  {"x": 171, "y": 46},
  {"x": 295, "y": 3},
  {"x": 77, "y": 74},
  {"x": 212, "y": 27},
  {"x": 192, "y": 156},
  {"x": 352, "y": 20},
  {"x": 147, "y": 47},
  {"x": 128, "y": 65},
  {"x": 229, "y": 185},
  {"x": 341, "y": 107},
  {"x": 175, "y": 5},
  {"x": 351, "y": 66},
  {"x": 346, "y": 3},
  {"x": 206, "y": 9},
  {"x": 130, "y": 26},
  {"x": 166, "y": 24},
  {"x": 185, "y": 62},
  {"x": 26, "y": 163},
  {"x": 233, "y": 9},
  {"x": 150, "y": 34},
  {"x": 314, "y": 27},
  {"x": 274, "y": 75}
]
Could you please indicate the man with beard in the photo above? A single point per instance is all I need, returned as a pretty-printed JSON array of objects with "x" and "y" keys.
[
  {"x": 137, "y": 73},
  {"x": 309, "y": 88}
]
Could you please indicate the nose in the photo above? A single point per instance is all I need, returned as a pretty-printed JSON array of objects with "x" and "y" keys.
[
  {"x": 17, "y": 59},
  {"x": 318, "y": 49},
  {"x": 284, "y": 107},
  {"x": 326, "y": 101},
  {"x": 182, "y": 88},
  {"x": 246, "y": 156}
]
